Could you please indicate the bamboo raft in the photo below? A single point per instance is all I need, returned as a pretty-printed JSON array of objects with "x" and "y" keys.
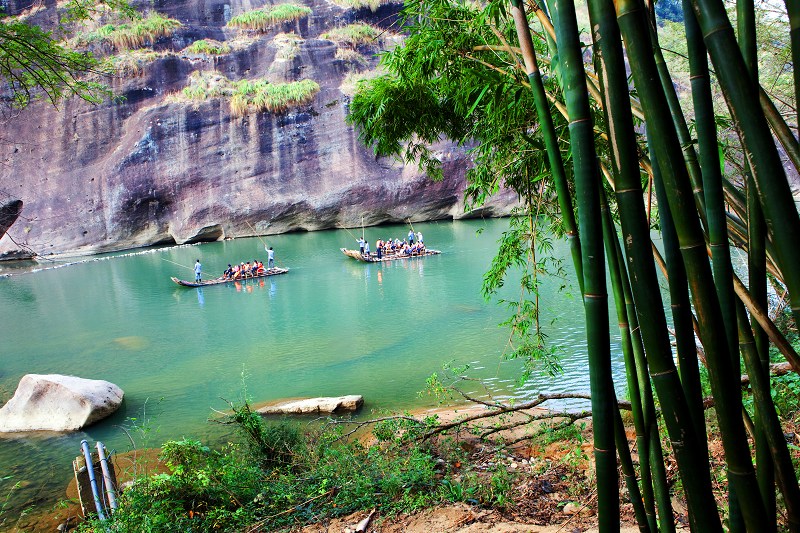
[
  {"x": 372, "y": 258},
  {"x": 218, "y": 281}
]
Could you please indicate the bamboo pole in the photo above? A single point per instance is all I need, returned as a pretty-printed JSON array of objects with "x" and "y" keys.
[
  {"x": 773, "y": 433},
  {"x": 587, "y": 187},
  {"x": 633, "y": 24},
  {"x": 793, "y": 9},
  {"x": 757, "y": 274},
  {"x": 773, "y": 188},
  {"x": 778, "y": 124},
  {"x": 549, "y": 135},
  {"x": 177, "y": 264},
  {"x": 681, "y": 308},
  {"x": 631, "y": 374}
]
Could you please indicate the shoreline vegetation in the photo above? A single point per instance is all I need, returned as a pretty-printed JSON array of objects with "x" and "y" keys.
[{"x": 471, "y": 462}]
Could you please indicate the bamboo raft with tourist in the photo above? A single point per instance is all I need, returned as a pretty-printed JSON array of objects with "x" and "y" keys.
[
  {"x": 390, "y": 249},
  {"x": 373, "y": 258},
  {"x": 226, "y": 279}
]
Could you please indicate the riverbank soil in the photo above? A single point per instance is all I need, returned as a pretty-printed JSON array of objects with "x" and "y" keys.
[
  {"x": 525, "y": 482},
  {"x": 551, "y": 483}
]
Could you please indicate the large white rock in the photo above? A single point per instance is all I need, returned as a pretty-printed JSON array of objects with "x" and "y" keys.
[
  {"x": 315, "y": 405},
  {"x": 53, "y": 402}
]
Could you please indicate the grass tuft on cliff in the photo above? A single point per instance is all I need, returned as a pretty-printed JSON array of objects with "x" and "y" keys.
[
  {"x": 260, "y": 96},
  {"x": 130, "y": 63},
  {"x": 288, "y": 45},
  {"x": 249, "y": 96},
  {"x": 209, "y": 47},
  {"x": 353, "y": 35},
  {"x": 263, "y": 19},
  {"x": 373, "y": 5},
  {"x": 134, "y": 34}
]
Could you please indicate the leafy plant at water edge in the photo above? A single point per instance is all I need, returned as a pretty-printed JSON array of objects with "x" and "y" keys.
[
  {"x": 281, "y": 476},
  {"x": 263, "y": 19}
]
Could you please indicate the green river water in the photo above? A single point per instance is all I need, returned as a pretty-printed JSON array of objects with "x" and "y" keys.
[{"x": 331, "y": 326}]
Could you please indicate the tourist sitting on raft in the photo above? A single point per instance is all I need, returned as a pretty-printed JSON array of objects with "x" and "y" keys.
[
  {"x": 245, "y": 270},
  {"x": 392, "y": 247}
]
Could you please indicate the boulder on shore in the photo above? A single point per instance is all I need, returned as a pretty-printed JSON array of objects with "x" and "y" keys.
[
  {"x": 53, "y": 402},
  {"x": 341, "y": 404}
]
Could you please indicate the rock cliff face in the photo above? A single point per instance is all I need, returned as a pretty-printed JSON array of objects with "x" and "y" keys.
[{"x": 156, "y": 169}]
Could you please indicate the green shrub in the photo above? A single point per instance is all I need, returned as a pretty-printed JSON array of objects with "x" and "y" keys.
[
  {"x": 208, "y": 47},
  {"x": 273, "y": 97},
  {"x": 279, "y": 477},
  {"x": 263, "y": 19},
  {"x": 353, "y": 35},
  {"x": 134, "y": 34}
]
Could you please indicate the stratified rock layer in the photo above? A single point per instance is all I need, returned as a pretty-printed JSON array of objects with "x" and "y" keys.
[
  {"x": 156, "y": 169},
  {"x": 324, "y": 405},
  {"x": 52, "y": 402}
]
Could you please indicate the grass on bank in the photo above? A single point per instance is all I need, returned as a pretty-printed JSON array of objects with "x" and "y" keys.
[
  {"x": 280, "y": 476},
  {"x": 264, "y": 19},
  {"x": 133, "y": 34},
  {"x": 249, "y": 96}
]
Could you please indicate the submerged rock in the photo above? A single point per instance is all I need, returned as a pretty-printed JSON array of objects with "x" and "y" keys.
[
  {"x": 342, "y": 404},
  {"x": 53, "y": 402}
]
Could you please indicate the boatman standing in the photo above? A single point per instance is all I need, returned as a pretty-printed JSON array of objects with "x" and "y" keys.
[
  {"x": 198, "y": 269},
  {"x": 270, "y": 258}
]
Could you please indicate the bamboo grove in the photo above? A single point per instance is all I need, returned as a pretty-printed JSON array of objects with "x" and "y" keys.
[{"x": 595, "y": 139}]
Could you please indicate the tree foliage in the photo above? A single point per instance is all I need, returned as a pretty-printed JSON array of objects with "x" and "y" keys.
[
  {"x": 465, "y": 74},
  {"x": 35, "y": 63}
]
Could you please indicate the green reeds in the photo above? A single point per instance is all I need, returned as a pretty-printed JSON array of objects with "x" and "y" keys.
[{"x": 264, "y": 19}]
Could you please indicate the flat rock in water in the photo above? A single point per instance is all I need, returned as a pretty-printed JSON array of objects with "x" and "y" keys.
[
  {"x": 340, "y": 404},
  {"x": 53, "y": 402}
]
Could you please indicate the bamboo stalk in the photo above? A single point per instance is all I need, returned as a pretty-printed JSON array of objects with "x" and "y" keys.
[
  {"x": 779, "y": 126},
  {"x": 681, "y": 308},
  {"x": 587, "y": 183},
  {"x": 774, "y": 192},
  {"x": 631, "y": 374},
  {"x": 633, "y": 24},
  {"x": 773, "y": 433},
  {"x": 793, "y": 9},
  {"x": 549, "y": 135}
]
